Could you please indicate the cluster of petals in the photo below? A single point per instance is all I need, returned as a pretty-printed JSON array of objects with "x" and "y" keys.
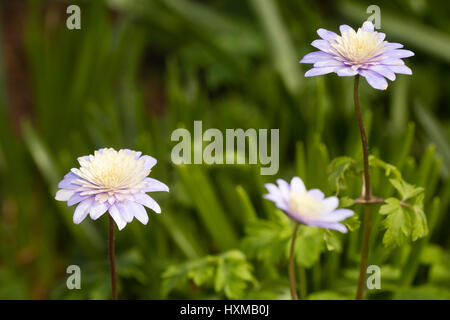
[
  {"x": 363, "y": 52},
  {"x": 111, "y": 181},
  {"x": 309, "y": 207}
]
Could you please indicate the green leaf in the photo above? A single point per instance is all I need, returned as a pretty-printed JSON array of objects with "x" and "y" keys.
[
  {"x": 390, "y": 206},
  {"x": 403, "y": 222},
  {"x": 406, "y": 190},
  {"x": 420, "y": 226},
  {"x": 201, "y": 276},
  {"x": 233, "y": 275},
  {"x": 221, "y": 276},
  {"x": 397, "y": 223}
]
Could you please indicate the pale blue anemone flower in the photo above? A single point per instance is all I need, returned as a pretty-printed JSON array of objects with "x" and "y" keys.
[
  {"x": 307, "y": 207},
  {"x": 361, "y": 52},
  {"x": 113, "y": 181}
]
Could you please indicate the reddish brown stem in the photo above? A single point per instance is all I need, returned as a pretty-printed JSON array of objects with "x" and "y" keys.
[
  {"x": 367, "y": 196},
  {"x": 112, "y": 257}
]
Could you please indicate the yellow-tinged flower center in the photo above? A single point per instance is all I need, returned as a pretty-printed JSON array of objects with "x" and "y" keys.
[
  {"x": 358, "y": 47},
  {"x": 305, "y": 204},
  {"x": 111, "y": 170}
]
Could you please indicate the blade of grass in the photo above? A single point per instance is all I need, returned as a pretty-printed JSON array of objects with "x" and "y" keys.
[
  {"x": 247, "y": 209},
  {"x": 435, "y": 132},
  {"x": 280, "y": 43}
]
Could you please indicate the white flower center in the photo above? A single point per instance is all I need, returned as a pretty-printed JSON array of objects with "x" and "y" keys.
[
  {"x": 358, "y": 47},
  {"x": 111, "y": 170},
  {"x": 304, "y": 204}
]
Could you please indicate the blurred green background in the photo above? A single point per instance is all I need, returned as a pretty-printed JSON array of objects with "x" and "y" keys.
[{"x": 139, "y": 69}]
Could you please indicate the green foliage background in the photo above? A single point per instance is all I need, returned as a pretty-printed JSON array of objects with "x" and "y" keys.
[{"x": 139, "y": 69}]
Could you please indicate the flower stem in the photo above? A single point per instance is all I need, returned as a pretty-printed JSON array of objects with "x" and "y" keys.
[
  {"x": 367, "y": 196},
  {"x": 112, "y": 257},
  {"x": 303, "y": 288},
  {"x": 292, "y": 264}
]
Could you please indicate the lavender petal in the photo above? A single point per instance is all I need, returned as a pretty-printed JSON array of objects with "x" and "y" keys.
[
  {"x": 297, "y": 185},
  {"x": 97, "y": 209},
  {"x": 384, "y": 71},
  {"x": 64, "y": 194},
  {"x": 82, "y": 210},
  {"x": 155, "y": 185},
  {"x": 147, "y": 201},
  {"x": 316, "y": 56},
  {"x": 400, "y": 69},
  {"x": 115, "y": 214},
  {"x": 326, "y": 34},
  {"x": 316, "y": 193},
  {"x": 374, "y": 79},
  {"x": 330, "y": 203},
  {"x": 75, "y": 198},
  {"x": 319, "y": 71},
  {"x": 322, "y": 45}
]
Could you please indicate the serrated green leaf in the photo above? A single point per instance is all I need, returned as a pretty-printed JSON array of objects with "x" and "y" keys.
[
  {"x": 390, "y": 206},
  {"x": 397, "y": 223},
  {"x": 233, "y": 274},
  {"x": 200, "y": 276},
  {"x": 420, "y": 225},
  {"x": 220, "y": 278},
  {"x": 402, "y": 222},
  {"x": 406, "y": 190}
]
